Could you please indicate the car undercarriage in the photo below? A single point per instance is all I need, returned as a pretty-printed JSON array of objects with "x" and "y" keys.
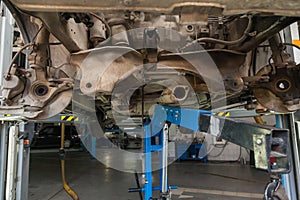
[{"x": 119, "y": 58}]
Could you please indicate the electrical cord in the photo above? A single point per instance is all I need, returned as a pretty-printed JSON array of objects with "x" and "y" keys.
[
  {"x": 222, "y": 150},
  {"x": 293, "y": 45},
  {"x": 218, "y": 154}
]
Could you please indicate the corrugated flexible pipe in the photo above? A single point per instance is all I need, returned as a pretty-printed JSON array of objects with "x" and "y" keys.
[{"x": 67, "y": 188}]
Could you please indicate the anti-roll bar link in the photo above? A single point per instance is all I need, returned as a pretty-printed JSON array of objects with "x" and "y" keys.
[{"x": 270, "y": 144}]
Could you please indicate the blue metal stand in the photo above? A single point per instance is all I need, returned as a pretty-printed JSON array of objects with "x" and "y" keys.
[
  {"x": 148, "y": 162},
  {"x": 149, "y": 148},
  {"x": 255, "y": 137}
]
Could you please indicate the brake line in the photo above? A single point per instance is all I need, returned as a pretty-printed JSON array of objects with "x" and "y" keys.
[
  {"x": 224, "y": 42},
  {"x": 62, "y": 162}
]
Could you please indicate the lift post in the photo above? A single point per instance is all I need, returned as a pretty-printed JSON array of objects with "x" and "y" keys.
[
  {"x": 3, "y": 157},
  {"x": 16, "y": 134},
  {"x": 14, "y": 163}
]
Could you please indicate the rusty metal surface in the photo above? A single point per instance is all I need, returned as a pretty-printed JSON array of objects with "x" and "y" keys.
[
  {"x": 40, "y": 91},
  {"x": 177, "y": 51},
  {"x": 281, "y": 91},
  {"x": 288, "y": 7},
  {"x": 125, "y": 61}
]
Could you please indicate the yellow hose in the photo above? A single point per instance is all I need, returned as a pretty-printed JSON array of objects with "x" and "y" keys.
[{"x": 62, "y": 162}]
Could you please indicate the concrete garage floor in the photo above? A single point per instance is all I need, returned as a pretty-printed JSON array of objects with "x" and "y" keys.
[{"x": 93, "y": 181}]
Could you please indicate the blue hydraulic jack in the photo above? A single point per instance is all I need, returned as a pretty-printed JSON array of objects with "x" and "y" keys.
[
  {"x": 270, "y": 144},
  {"x": 159, "y": 128}
]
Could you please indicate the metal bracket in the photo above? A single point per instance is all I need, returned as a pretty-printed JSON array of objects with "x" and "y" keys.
[{"x": 260, "y": 151}]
